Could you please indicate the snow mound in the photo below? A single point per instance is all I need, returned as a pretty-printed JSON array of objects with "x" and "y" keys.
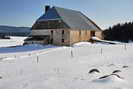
[
  {"x": 82, "y": 44},
  {"x": 95, "y": 38},
  {"x": 17, "y": 38},
  {"x": 14, "y": 41},
  {"x": 109, "y": 78},
  {"x": 105, "y": 41}
]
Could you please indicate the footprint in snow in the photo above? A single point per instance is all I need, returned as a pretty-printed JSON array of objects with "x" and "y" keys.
[
  {"x": 109, "y": 78},
  {"x": 0, "y": 77},
  {"x": 124, "y": 66},
  {"x": 94, "y": 71},
  {"x": 116, "y": 71},
  {"x": 111, "y": 65}
]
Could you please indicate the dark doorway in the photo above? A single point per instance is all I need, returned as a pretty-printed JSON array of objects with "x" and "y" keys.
[
  {"x": 92, "y": 33},
  {"x": 51, "y": 41}
]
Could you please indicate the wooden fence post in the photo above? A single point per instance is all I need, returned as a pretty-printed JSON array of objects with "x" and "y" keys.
[
  {"x": 125, "y": 46},
  {"x": 72, "y": 54},
  {"x": 37, "y": 60},
  {"x": 101, "y": 51}
]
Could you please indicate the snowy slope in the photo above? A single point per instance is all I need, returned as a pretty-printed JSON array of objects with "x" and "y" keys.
[{"x": 68, "y": 67}]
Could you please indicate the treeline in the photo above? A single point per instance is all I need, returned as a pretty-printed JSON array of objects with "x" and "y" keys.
[
  {"x": 119, "y": 32},
  {"x": 14, "y": 33}
]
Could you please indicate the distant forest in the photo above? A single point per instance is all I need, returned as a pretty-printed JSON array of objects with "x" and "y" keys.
[
  {"x": 119, "y": 32},
  {"x": 14, "y": 31}
]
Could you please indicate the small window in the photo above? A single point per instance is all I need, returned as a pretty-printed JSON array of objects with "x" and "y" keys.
[
  {"x": 62, "y": 32},
  {"x": 62, "y": 40},
  {"x": 92, "y": 33},
  {"x": 79, "y": 33},
  {"x": 51, "y": 31}
]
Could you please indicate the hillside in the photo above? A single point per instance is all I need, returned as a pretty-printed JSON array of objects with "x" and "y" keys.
[{"x": 14, "y": 31}]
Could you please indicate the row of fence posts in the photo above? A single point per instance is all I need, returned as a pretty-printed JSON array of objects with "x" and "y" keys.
[
  {"x": 124, "y": 47},
  {"x": 72, "y": 53}
]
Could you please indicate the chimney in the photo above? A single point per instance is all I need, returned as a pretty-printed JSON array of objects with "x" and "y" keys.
[{"x": 47, "y": 7}]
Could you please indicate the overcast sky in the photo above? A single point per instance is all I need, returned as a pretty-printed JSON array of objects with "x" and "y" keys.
[{"x": 104, "y": 12}]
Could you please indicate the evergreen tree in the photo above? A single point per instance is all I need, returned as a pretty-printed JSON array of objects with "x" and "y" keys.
[{"x": 119, "y": 32}]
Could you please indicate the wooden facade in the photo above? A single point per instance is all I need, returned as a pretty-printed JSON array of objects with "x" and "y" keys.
[
  {"x": 63, "y": 28},
  {"x": 65, "y": 36}
]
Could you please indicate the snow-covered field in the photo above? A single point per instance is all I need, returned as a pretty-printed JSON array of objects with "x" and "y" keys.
[
  {"x": 12, "y": 42},
  {"x": 52, "y": 67}
]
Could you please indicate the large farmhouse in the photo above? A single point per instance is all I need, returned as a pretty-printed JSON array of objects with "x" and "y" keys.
[{"x": 60, "y": 26}]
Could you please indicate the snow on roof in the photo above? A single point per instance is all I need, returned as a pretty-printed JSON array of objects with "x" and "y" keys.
[{"x": 74, "y": 19}]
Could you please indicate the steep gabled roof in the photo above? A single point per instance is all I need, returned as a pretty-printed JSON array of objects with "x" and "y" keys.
[
  {"x": 51, "y": 14},
  {"x": 74, "y": 19}
]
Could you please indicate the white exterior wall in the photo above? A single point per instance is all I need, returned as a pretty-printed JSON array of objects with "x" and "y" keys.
[{"x": 41, "y": 32}]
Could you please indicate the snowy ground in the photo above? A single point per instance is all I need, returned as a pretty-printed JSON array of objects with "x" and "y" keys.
[
  {"x": 67, "y": 67},
  {"x": 12, "y": 42}
]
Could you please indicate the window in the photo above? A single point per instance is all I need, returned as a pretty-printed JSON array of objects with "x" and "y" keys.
[
  {"x": 79, "y": 33},
  {"x": 62, "y": 40},
  {"x": 51, "y": 32},
  {"x": 62, "y": 32},
  {"x": 92, "y": 33}
]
